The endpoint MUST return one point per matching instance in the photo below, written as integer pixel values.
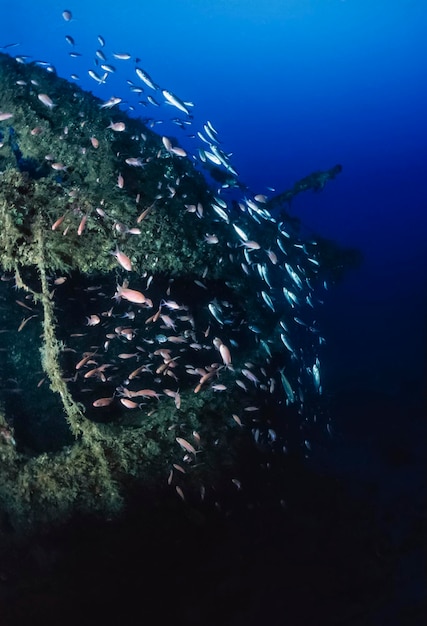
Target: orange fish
(82, 225)
(123, 260)
(130, 294)
(186, 446)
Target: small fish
(60, 280)
(100, 55)
(316, 376)
(25, 306)
(97, 78)
(180, 492)
(5, 116)
(44, 99)
(287, 387)
(251, 245)
(93, 320)
(292, 273)
(223, 350)
(58, 167)
(118, 127)
(110, 69)
(175, 101)
(122, 56)
(134, 162)
(220, 212)
(145, 78)
(25, 321)
(152, 101)
(108, 104)
(178, 151)
(122, 259)
(58, 222)
(101, 402)
(82, 225)
(130, 294)
(237, 419)
(186, 445)
(129, 404)
(267, 300)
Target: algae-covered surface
(152, 331)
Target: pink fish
(186, 445)
(102, 402)
(118, 127)
(178, 151)
(44, 99)
(130, 294)
(123, 260)
(82, 225)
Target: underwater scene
(213, 312)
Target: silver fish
(175, 101)
(145, 78)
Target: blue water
(292, 87)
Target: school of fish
(147, 341)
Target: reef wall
(153, 330)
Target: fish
(316, 376)
(134, 162)
(223, 350)
(110, 103)
(99, 79)
(102, 402)
(117, 127)
(185, 445)
(220, 212)
(100, 55)
(82, 225)
(145, 78)
(267, 300)
(25, 321)
(130, 294)
(215, 312)
(122, 259)
(58, 222)
(180, 492)
(287, 387)
(175, 101)
(46, 100)
(152, 101)
(110, 69)
(129, 404)
(292, 273)
(178, 151)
